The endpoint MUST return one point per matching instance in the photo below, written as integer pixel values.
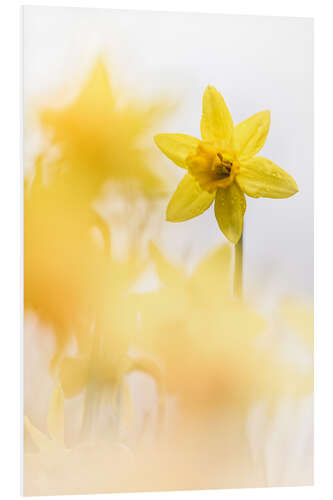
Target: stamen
(224, 168)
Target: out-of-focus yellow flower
(204, 338)
(55, 468)
(299, 318)
(98, 137)
(100, 368)
(223, 166)
(63, 264)
(102, 377)
(55, 425)
(69, 275)
(213, 347)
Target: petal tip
(266, 116)
(210, 88)
(235, 240)
(157, 138)
(293, 188)
(232, 238)
(169, 215)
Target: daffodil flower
(98, 139)
(217, 352)
(223, 166)
(52, 466)
(99, 376)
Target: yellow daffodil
(299, 317)
(63, 266)
(69, 274)
(209, 343)
(202, 336)
(98, 135)
(102, 377)
(55, 468)
(100, 370)
(223, 166)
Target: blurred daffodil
(223, 166)
(101, 368)
(202, 335)
(98, 135)
(55, 468)
(69, 273)
(63, 264)
(299, 318)
(215, 349)
(72, 278)
(54, 441)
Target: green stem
(238, 270)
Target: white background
(10, 256)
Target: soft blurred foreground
(142, 373)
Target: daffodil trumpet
(223, 167)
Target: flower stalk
(238, 269)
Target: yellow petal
(177, 147)
(250, 135)
(42, 442)
(216, 261)
(299, 318)
(73, 375)
(152, 368)
(261, 177)
(230, 206)
(214, 270)
(216, 121)
(169, 273)
(55, 418)
(188, 201)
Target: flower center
(211, 167)
(223, 168)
